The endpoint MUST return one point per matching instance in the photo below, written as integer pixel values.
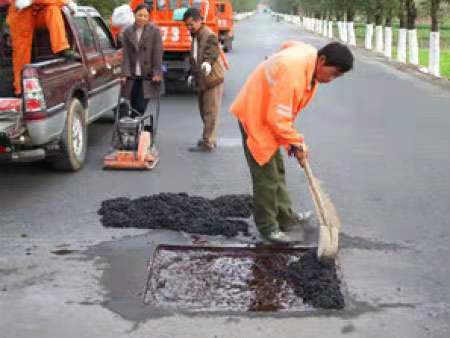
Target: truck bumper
(47, 130)
(24, 156)
(176, 70)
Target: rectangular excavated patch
(241, 279)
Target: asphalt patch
(242, 279)
(224, 215)
(63, 252)
(317, 283)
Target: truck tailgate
(10, 117)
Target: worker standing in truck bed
(24, 17)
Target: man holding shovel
(266, 108)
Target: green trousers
(271, 202)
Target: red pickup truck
(60, 97)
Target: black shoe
(69, 54)
(202, 148)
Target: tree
(411, 17)
(105, 7)
(244, 5)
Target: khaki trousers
(209, 102)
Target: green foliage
(369, 9)
(105, 7)
(244, 5)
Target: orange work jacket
(272, 98)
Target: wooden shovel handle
(315, 192)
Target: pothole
(241, 279)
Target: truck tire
(73, 143)
(227, 44)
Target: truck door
(97, 72)
(109, 92)
(112, 56)
(93, 57)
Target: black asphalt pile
(317, 283)
(180, 212)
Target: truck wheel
(73, 141)
(228, 44)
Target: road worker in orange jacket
(26, 16)
(266, 108)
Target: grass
(423, 36)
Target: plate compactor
(133, 139)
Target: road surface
(379, 141)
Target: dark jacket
(208, 51)
(149, 52)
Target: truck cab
(176, 38)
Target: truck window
(172, 4)
(103, 35)
(5, 40)
(197, 4)
(161, 4)
(149, 4)
(221, 8)
(87, 40)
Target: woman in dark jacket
(142, 60)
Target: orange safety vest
(272, 98)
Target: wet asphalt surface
(379, 143)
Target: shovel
(328, 246)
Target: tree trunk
(325, 23)
(351, 37)
(435, 52)
(350, 14)
(434, 15)
(388, 33)
(411, 12)
(402, 34)
(402, 13)
(379, 9)
(339, 18)
(388, 22)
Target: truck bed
(41, 51)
